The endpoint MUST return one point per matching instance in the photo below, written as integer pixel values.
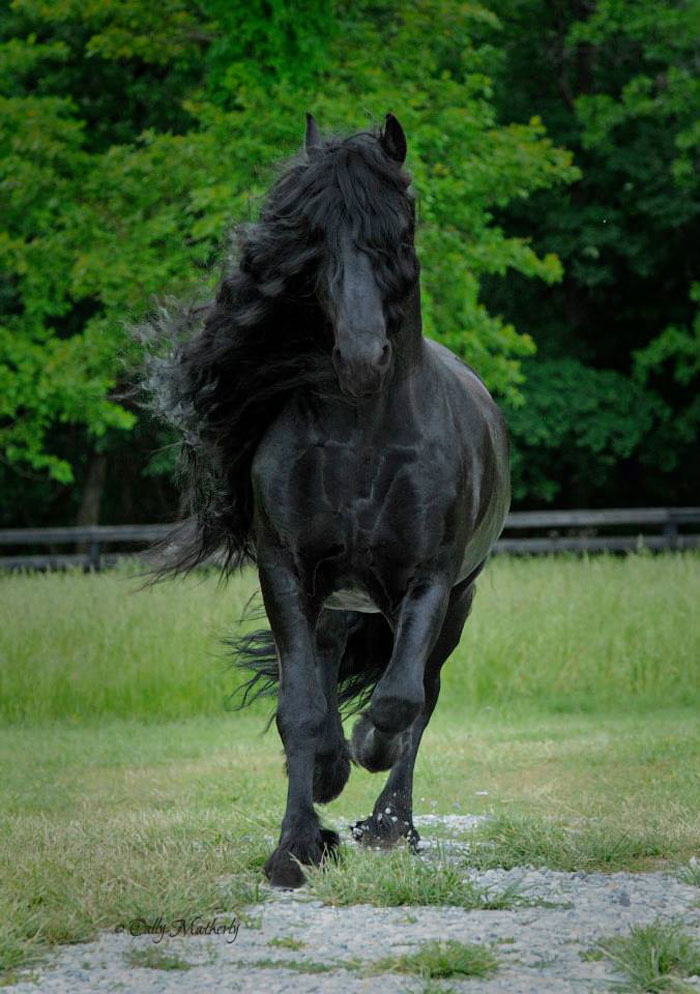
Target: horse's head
(363, 216)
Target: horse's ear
(393, 139)
(312, 138)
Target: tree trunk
(89, 510)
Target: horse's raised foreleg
(392, 817)
(381, 734)
(301, 718)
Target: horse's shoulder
(469, 383)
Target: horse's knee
(393, 713)
(300, 721)
(331, 773)
(332, 760)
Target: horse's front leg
(380, 734)
(392, 817)
(301, 718)
(332, 766)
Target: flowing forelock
(348, 187)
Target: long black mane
(231, 363)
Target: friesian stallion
(362, 467)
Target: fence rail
(555, 531)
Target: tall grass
(79, 646)
(569, 633)
(557, 634)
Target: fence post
(671, 534)
(93, 557)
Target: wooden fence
(526, 532)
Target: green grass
(440, 960)
(287, 942)
(556, 634)
(102, 824)
(396, 878)
(432, 960)
(127, 791)
(654, 958)
(81, 647)
(690, 874)
(156, 959)
(520, 840)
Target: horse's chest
(362, 519)
(377, 497)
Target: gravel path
(540, 948)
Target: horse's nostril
(361, 368)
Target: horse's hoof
(386, 828)
(331, 773)
(282, 868)
(373, 749)
(283, 871)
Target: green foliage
(132, 135)
(678, 346)
(618, 84)
(113, 199)
(642, 128)
(124, 29)
(265, 40)
(593, 419)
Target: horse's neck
(400, 403)
(408, 346)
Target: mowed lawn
(569, 711)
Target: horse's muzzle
(364, 373)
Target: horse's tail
(367, 653)
(365, 658)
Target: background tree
(132, 135)
(617, 82)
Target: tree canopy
(617, 83)
(553, 147)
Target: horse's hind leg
(392, 817)
(332, 761)
(301, 718)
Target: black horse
(363, 467)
